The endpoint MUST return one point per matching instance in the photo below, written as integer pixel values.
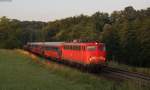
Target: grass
(19, 71)
(129, 68)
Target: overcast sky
(49, 10)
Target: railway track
(126, 75)
(118, 74)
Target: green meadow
(20, 71)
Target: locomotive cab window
(102, 47)
(91, 48)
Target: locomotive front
(96, 53)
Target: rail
(126, 75)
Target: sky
(50, 10)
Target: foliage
(126, 33)
(14, 33)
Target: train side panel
(73, 55)
(52, 52)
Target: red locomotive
(84, 53)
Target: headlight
(92, 58)
(97, 58)
(102, 58)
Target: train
(88, 54)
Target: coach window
(32, 46)
(71, 47)
(48, 48)
(55, 48)
(36, 46)
(68, 47)
(65, 47)
(75, 47)
(84, 47)
(81, 47)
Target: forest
(126, 33)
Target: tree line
(126, 33)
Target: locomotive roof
(82, 43)
(53, 43)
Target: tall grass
(20, 70)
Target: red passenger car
(53, 50)
(35, 47)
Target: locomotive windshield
(91, 48)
